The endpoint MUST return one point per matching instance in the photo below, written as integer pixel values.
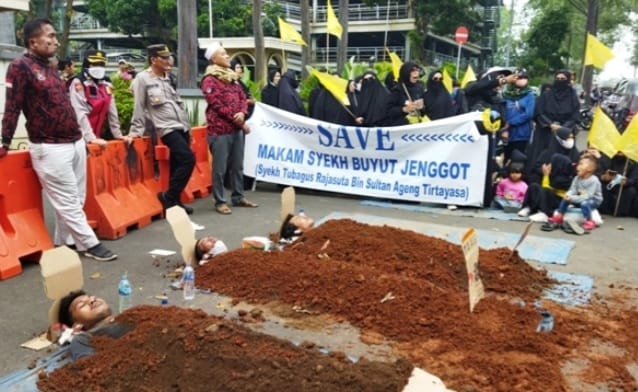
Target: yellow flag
(447, 81)
(334, 84)
(596, 53)
(628, 142)
(289, 34)
(468, 77)
(333, 25)
(603, 134)
(396, 64)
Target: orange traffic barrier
(201, 182)
(121, 189)
(23, 234)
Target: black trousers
(182, 162)
(541, 199)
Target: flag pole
(327, 47)
(624, 174)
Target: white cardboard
(287, 202)
(183, 232)
(422, 381)
(61, 270)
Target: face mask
(560, 84)
(97, 73)
(567, 144)
(218, 249)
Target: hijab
(289, 99)
(373, 98)
(438, 102)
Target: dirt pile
(396, 286)
(176, 349)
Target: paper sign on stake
(469, 243)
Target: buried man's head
(79, 308)
(208, 247)
(295, 225)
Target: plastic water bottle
(188, 282)
(547, 322)
(125, 292)
(301, 212)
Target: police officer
(157, 100)
(92, 99)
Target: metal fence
(356, 12)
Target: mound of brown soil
(175, 349)
(397, 286)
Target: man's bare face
(46, 43)
(303, 223)
(88, 310)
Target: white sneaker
(539, 217)
(451, 207)
(595, 216)
(524, 212)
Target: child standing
(510, 191)
(585, 191)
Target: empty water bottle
(188, 282)
(547, 322)
(125, 293)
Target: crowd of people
(532, 161)
(533, 165)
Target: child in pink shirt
(510, 191)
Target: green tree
(545, 38)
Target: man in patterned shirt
(58, 152)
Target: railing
(361, 54)
(356, 12)
(85, 22)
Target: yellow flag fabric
(396, 64)
(333, 25)
(289, 34)
(447, 81)
(468, 77)
(596, 53)
(603, 134)
(334, 84)
(628, 142)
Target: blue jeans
(586, 207)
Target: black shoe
(189, 210)
(100, 252)
(166, 204)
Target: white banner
(439, 162)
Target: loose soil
(345, 269)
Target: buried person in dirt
(88, 316)
(294, 226)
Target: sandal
(246, 203)
(549, 226)
(572, 227)
(223, 209)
